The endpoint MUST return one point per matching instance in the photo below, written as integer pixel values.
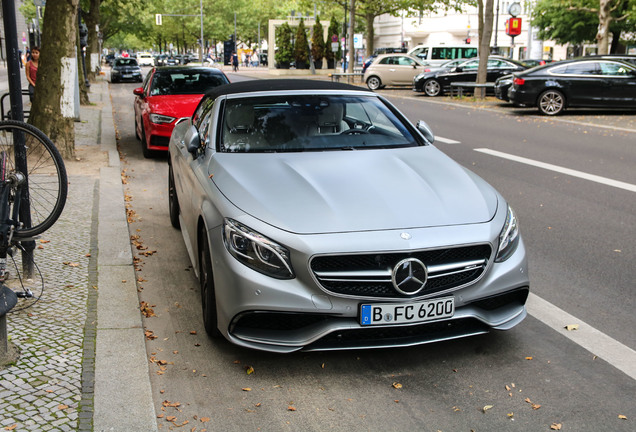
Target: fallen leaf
(486, 408)
(291, 408)
(528, 358)
(511, 415)
(249, 370)
(535, 406)
(507, 387)
(62, 407)
(193, 332)
(571, 327)
(556, 426)
(622, 417)
(257, 404)
(246, 389)
(45, 241)
(204, 419)
(171, 418)
(397, 385)
(10, 428)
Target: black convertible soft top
(279, 85)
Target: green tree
(301, 46)
(330, 55)
(580, 21)
(318, 44)
(285, 52)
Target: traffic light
(83, 34)
(467, 40)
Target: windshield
(185, 82)
(126, 62)
(310, 123)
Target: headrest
(240, 117)
(331, 115)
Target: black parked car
(436, 82)
(585, 82)
(125, 69)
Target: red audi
(168, 94)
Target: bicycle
(33, 189)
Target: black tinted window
(185, 82)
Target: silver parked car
(317, 218)
(393, 70)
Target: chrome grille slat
(369, 275)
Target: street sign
(334, 38)
(158, 19)
(357, 41)
(334, 46)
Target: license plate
(127, 75)
(400, 313)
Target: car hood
(174, 105)
(345, 191)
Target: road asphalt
(82, 362)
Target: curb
(123, 396)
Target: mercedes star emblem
(409, 276)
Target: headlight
(509, 237)
(256, 251)
(158, 118)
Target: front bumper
(259, 312)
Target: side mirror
(426, 131)
(139, 91)
(192, 140)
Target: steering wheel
(354, 132)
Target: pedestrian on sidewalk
(31, 70)
(235, 62)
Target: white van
(438, 54)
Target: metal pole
(496, 48)
(201, 6)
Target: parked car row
(598, 81)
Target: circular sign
(514, 9)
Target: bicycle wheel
(46, 186)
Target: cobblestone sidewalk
(44, 389)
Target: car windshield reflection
(184, 82)
(306, 123)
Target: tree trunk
(91, 18)
(53, 108)
(352, 26)
(485, 34)
(370, 33)
(604, 21)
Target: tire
(374, 82)
(173, 201)
(45, 172)
(551, 102)
(136, 132)
(432, 87)
(206, 281)
(144, 146)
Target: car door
(466, 71)
(404, 70)
(582, 84)
(620, 83)
(186, 164)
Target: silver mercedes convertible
(317, 217)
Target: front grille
(161, 141)
(369, 275)
(276, 321)
(399, 335)
(518, 296)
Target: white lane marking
(446, 140)
(603, 180)
(615, 353)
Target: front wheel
(432, 87)
(206, 280)
(374, 82)
(42, 165)
(551, 102)
(173, 202)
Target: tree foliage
(318, 42)
(301, 45)
(585, 21)
(285, 52)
